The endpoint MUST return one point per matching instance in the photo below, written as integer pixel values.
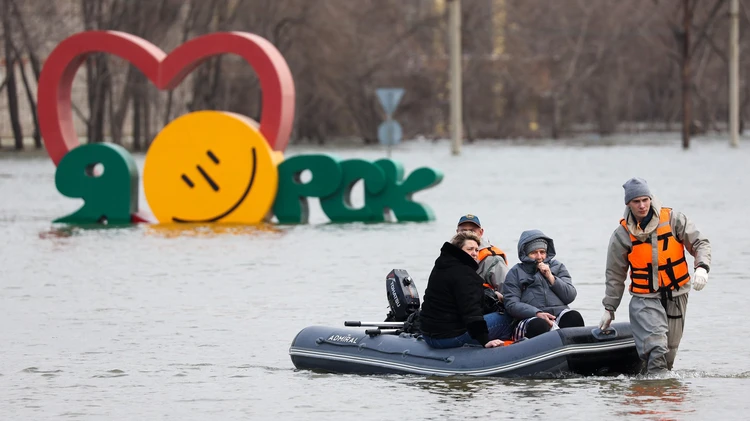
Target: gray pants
(657, 336)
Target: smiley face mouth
(215, 188)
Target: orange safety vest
(491, 251)
(673, 268)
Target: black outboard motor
(403, 297)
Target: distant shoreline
(583, 139)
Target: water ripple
(111, 374)
(36, 370)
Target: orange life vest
(673, 268)
(491, 251)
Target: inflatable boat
(577, 351)
(395, 347)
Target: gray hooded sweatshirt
(620, 246)
(527, 292)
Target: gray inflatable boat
(576, 351)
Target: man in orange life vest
(651, 240)
(493, 264)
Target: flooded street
(160, 322)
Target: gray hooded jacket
(527, 292)
(620, 246)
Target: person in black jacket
(452, 312)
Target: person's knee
(536, 327)
(655, 346)
(571, 318)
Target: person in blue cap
(493, 263)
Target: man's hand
(549, 318)
(607, 318)
(544, 270)
(499, 296)
(700, 279)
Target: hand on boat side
(493, 343)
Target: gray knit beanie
(539, 243)
(636, 187)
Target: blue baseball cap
(470, 218)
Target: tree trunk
(114, 131)
(146, 115)
(10, 63)
(98, 82)
(35, 67)
(32, 105)
(96, 75)
(119, 112)
(468, 131)
(556, 116)
(137, 120)
(686, 97)
(186, 28)
(101, 83)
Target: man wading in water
(651, 240)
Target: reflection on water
(164, 230)
(663, 399)
(68, 230)
(63, 232)
(458, 388)
(537, 389)
(209, 230)
(517, 389)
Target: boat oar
(381, 325)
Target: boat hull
(558, 353)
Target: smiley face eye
(188, 181)
(208, 178)
(203, 172)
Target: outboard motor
(403, 297)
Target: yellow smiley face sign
(211, 166)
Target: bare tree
(11, 58)
(31, 50)
(532, 68)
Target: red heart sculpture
(165, 71)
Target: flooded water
(155, 322)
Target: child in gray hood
(539, 289)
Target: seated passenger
(452, 313)
(493, 264)
(537, 290)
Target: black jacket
(453, 298)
